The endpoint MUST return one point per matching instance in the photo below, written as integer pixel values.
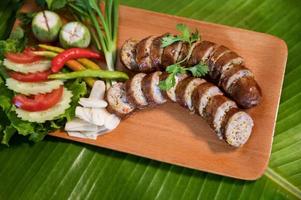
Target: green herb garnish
(198, 70)
(185, 36)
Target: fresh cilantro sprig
(185, 36)
(198, 70)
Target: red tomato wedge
(31, 77)
(38, 102)
(27, 56)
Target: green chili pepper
(109, 75)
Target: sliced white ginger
(92, 103)
(98, 90)
(34, 67)
(29, 88)
(80, 125)
(49, 114)
(99, 116)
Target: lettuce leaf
(35, 131)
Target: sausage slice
(202, 94)
(143, 54)
(223, 63)
(128, 55)
(218, 52)
(236, 127)
(215, 111)
(171, 53)
(156, 52)
(245, 91)
(134, 91)
(151, 90)
(201, 52)
(118, 102)
(184, 91)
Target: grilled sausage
(128, 55)
(143, 54)
(150, 56)
(118, 102)
(151, 90)
(156, 53)
(184, 91)
(236, 127)
(221, 113)
(202, 94)
(134, 91)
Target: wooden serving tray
(171, 134)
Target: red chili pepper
(70, 54)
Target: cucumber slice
(28, 88)
(49, 114)
(38, 66)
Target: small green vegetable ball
(46, 26)
(75, 34)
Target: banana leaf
(58, 169)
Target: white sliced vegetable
(82, 135)
(28, 88)
(75, 34)
(92, 103)
(34, 67)
(49, 114)
(99, 116)
(112, 122)
(84, 113)
(98, 90)
(80, 125)
(46, 26)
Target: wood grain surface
(171, 134)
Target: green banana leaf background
(58, 169)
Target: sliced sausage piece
(201, 52)
(171, 93)
(183, 52)
(233, 74)
(218, 52)
(151, 90)
(202, 94)
(215, 111)
(184, 91)
(237, 127)
(171, 54)
(134, 91)
(117, 101)
(156, 52)
(223, 63)
(128, 55)
(245, 91)
(143, 54)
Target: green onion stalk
(104, 26)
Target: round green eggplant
(46, 26)
(75, 34)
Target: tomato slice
(27, 56)
(31, 77)
(38, 102)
